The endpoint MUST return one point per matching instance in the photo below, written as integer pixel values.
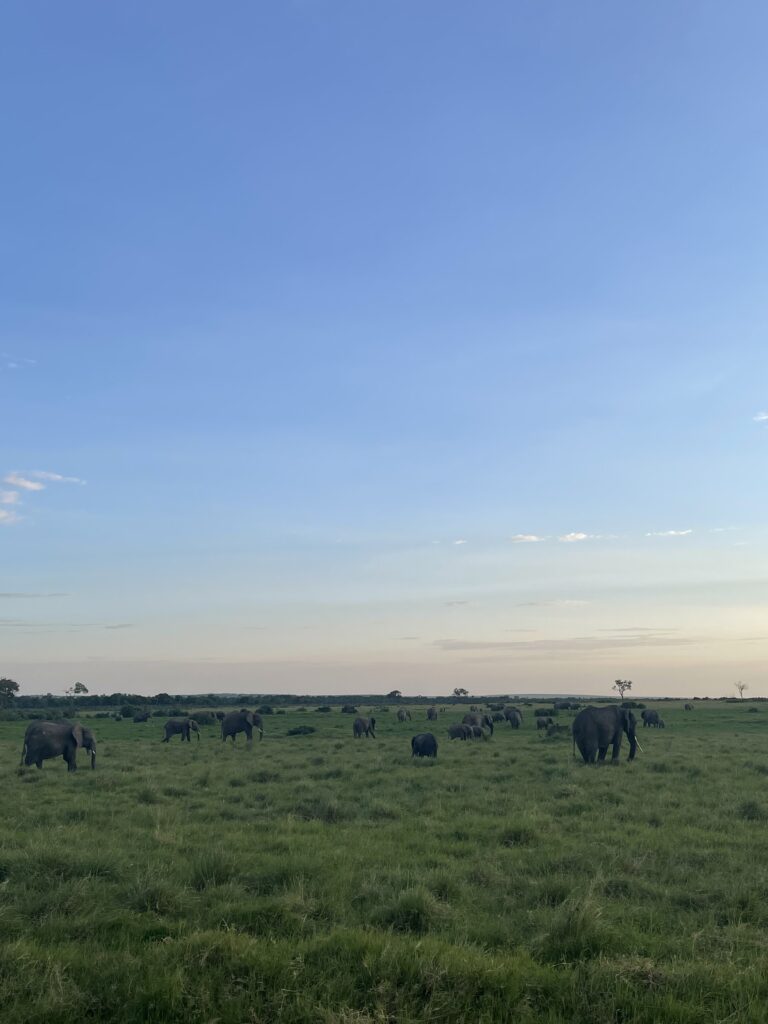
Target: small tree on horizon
(621, 686)
(8, 690)
(76, 689)
(741, 687)
(459, 691)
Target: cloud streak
(527, 538)
(670, 533)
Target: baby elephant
(183, 726)
(459, 732)
(424, 745)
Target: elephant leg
(616, 749)
(602, 751)
(39, 763)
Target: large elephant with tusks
(596, 729)
(44, 740)
(241, 721)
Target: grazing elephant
(424, 745)
(649, 718)
(43, 740)
(688, 707)
(364, 727)
(403, 715)
(479, 720)
(544, 723)
(183, 726)
(514, 717)
(459, 732)
(596, 729)
(141, 716)
(660, 723)
(478, 733)
(431, 714)
(241, 721)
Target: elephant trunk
(93, 758)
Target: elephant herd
(594, 730)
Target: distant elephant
(424, 745)
(219, 715)
(364, 727)
(479, 720)
(403, 715)
(595, 729)
(478, 733)
(649, 718)
(553, 729)
(44, 740)
(660, 723)
(561, 705)
(514, 717)
(544, 723)
(459, 732)
(141, 716)
(688, 707)
(431, 714)
(497, 717)
(241, 721)
(180, 726)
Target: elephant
(562, 705)
(688, 707)
(141, 716)
(43, 740)
(478, 733)
(480, 720)
(183, 726)
(660, 723)
(241, 721)
(459, 732)
(544, 723)
(649, 718)
(595, 729)
(431, 714)
(403, 715)
(364, 727)
(514, 717)
(424, 745)
(497, 717)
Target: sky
(355, 346)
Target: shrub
(349, 709)
(127, 711)
(301, 730)
(266, 709)
(324, 709)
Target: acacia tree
(76, 689)
(460, 692)
(621, 686)
(741, 687)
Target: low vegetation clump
(312, 877)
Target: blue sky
(397, 345)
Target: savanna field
(321, 879)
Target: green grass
(315, 878)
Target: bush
(126, 711)
(266, 709)
(324, 709)
(633, 705)
(301, 730)
(349, 709)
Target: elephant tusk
(637, 744)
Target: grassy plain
(320, 879)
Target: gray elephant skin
(688, 707)
(484, 721)
(544, 723)
(403, 715)
(596, 729)
(650, 718)
(514, 716)
(44, 740)
(459, 732)
(424, 745)
(180, 727)
(431, 714)
(364, 727)
(241, 721)
(141, 716)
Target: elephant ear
(77, 733)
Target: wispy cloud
(17, 480)
(761, 417)
(22, 593)
(571, 645)
(560, 602)
(574, 538)
(12, 362)
(120, 625)
(460, 541)
(526, 538)
(7, 517)
(42, 474)
(9, 497)
(454, 604)
(669, 533)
